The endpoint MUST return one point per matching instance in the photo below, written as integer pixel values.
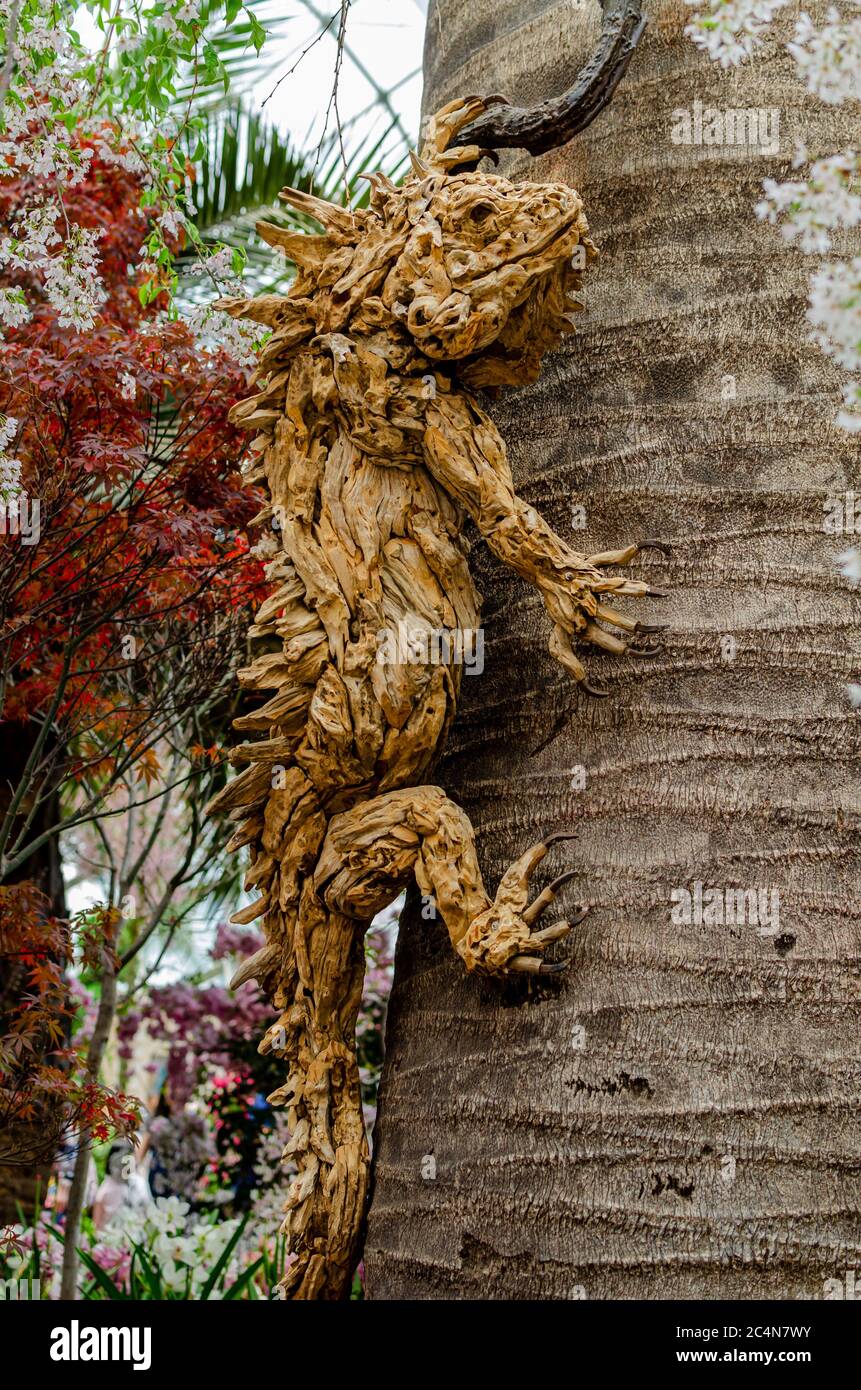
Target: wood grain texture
(677, 1115)
(372, 450)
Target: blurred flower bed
(199, 1200)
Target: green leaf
(210, 63)
(103, 1279)
(151, 1273)
(258, 33)
(221, 1263)
(243, 1281)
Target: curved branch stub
(558, 120)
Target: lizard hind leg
(373, 850)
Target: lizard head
(487, 277)
(476, 271)
(488, 274)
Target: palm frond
(244, 162)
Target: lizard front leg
(466, 454)
(371, 852)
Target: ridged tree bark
(677, 1115)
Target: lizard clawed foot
(500, 940)
(586, 613)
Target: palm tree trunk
(676, 1117)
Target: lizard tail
(313, 966)
(328, 1145)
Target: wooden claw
(420, 168)
(628, 553)
(654, 650)
(534, 965)
(599, 694)
(560, 879)
(256, 967)
(546, 897)
(554, 932)
(613, 557)
(558, 836)
(599, 638)
(524, 965)
(609, 615)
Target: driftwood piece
(373, 450)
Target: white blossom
(172, 221)
(68, 264)
(13, 307)
(835, 311)
(188, 13)
(128, 387)
(729, 30)
(115, 149)
(829, 58)
(816, 206)
(220, 267)
(10, 468)
(218, 332)
(51, 132)
(72, 281)
(8, 430)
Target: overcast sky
(384, 45)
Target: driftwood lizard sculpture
(372, 449)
